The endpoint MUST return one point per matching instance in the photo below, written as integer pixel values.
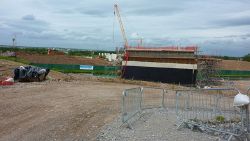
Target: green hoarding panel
(67, 68)
(233, 72)
(58, 66)
(106, 68)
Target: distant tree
(227, 57)
(246, 58)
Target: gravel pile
(153, 124)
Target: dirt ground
(61, 59)
(65, 107)
(53, 110)
(235, 65)
(59, 110)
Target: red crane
(117, 13)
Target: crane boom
(117, 13)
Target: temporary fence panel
(131, 103)
(137, 99)
(211, 109)
(248, 94)
(152, 97)
(170, 99)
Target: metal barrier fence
(137, 99)
(131, 103)
(152, 97)
(212, 110)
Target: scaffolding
(208, 71)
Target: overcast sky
(218, 27)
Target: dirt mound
(235, 65)
(7, 67)
(61, 59)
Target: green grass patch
(220, 118)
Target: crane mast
(117, 13)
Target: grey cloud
(28, 17)
(135, 9)
(230, 37)
(43, 36)
(225, 47)
(95, 12)
(232, 45)
(28, 26)
(241, 21)
(65, 11)
(52, 35)
(81, 35)
(243, 37)
(230, 22)
(155, 11)
(90, 11)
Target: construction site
(134, 93)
